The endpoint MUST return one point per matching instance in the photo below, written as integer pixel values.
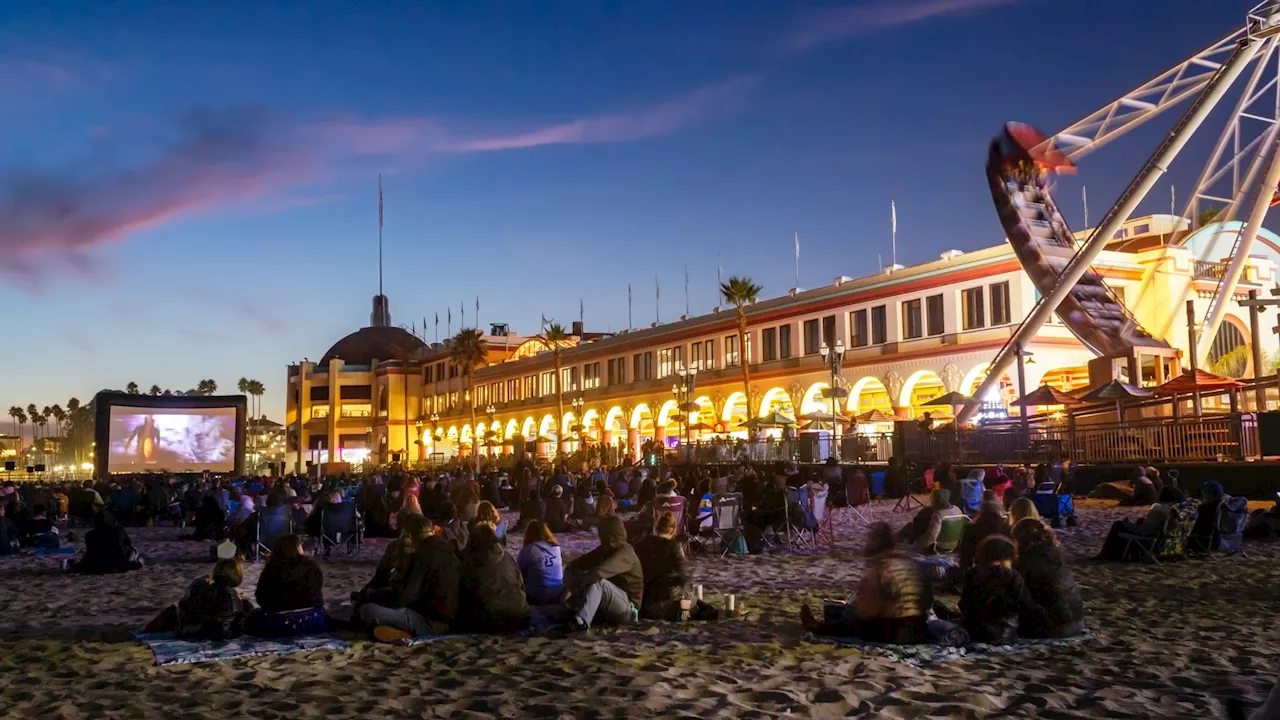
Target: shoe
(388, 634)
(574, 625)
(807, 619)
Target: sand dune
(1171, 641)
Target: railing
(1206, 438)
(1207, 270)
(853, 448)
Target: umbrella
(951, 399)
(823, 416)
(816, 425)
(702, 427)
(774, 419)
(1197, 380)
(1117, 391)
(1047, 395)
(876, 416)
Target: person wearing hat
(557, 512)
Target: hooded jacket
(491, 594)
(614, 560)
(1053, 588)
(431, 588)
(666, 572)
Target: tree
(553, 337)
(741, 292)
(470, 351)
(59, 415)
(19, 419)
(1207, 217)
(33, 415)
(155, 390)
(206, 387)
(131, 388)
(167, 393)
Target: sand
(1172, 641)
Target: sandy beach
(1171, 641)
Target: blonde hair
(538, 530)
(1021, 509)
(487, 514)
(665, 525)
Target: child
(994, 594)
(213, 609)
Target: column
(335, 408)
(633, 441)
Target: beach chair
(340, 528)
(726, 522)
(272, 525)
(971, 495)
(857, 500)
(1233, 514)
(675, 506)
(818, 521)
(950, 534)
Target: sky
(190, 190)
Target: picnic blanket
(920, 655)
(169, 650)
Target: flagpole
(797, 285)
(686, 291)
(379, 233)
(657, 300)
(893, 221)
(1084, 195)
(630, 325)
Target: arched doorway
(921, 387)
(1230, 354)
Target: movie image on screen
(172, 439)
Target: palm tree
(256, 389)
(1208, 216)
(33, 414)
(131, 388)
(470, 351)
(155, 390)
(206, 387)
(58, 415)
(76, 426)
(741, 292)
(19, 419)
(552, 338)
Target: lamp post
(422, 447)
(1024, 358)
(833, 357)
(577, 404)
(489, 410)
(683, 390)
(435, 430)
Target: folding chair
(726, 521)
(340, 528)
(818, 524)
(950, 533)
(1145, 544)
(858, 504)
(675, 506)
(273, 524)
(797, 527)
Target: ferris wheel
(1239, 181)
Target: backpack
(1182, 518)
(1233, 513)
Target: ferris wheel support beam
(1226, 291)
(1155, 168)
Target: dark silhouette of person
(147, 436)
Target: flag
(449, 311)
(379, 201)
(582, 312)
(462, 315)
(893, 216)
(477, 306)
(657, 290)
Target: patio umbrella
(702, 427)
(1047, 395)
(951, 399)
(823, 415)
(1117, 391)
(774, 419)
(1197, 380)
(876, 416)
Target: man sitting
(994, 595)
(607, 584)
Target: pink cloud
(868, 17)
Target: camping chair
(340, 527)
(1233, 514)
(818, 522)
(675, 506)
(924, 485)
(796, 526)
(857, 500)
(950, 533)
(971, 495)
(272, 525)
(726, 521)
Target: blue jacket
(543, 572)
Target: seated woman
(990, 521)
(666, 576)
(995, 598)
(426, 603)
(491, 593)
(211, 609)
(892, 602)
(556, 514)
(541, 565)
(393, 567)
(107, 549)
(10, 538)
(38, 531)
(1022, 509)
(290, 594)
(607, 584)
(1202, 533)
(1144, 491)
(922, 532)
(487, 514)
(1050, 583)
(210, 520)
(1157, 518)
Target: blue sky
(189, 190)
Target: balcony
(1205, 270)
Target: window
(784, 341)
(355, 392)
(642, 366)
(319, 393)
(912, 320)
(879, 325)
(935, 317)
(974, 309)
(439, 372)
(617, 371)
(548, 384)
(811, 339)
(530, 386)
(666, 367)
(731, 351)
(1142, 229)
(453, 371)
(513, 390)
(709, 354)
(858, 329)
(695, 357)
(1120, 234)
(569, 379)
(770, 338)
(829, 330)
(1000, 304)
(591, 376)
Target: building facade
(910, 335)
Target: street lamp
(833, 357)
(422, 447)
(684, 393)
(489, 410)
(1024, 359)
(577, 404)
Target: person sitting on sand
(427, 603)
(1153, 525)
(210, 520)
(38, 530)
(453, 529)
(991, 520)
(607, 584)
(212, 608)
(393, 567)
(10, 539)
(922, 532)
(1050, 583)
(107, 549)
(1022, 509)
(487, 514)
(666, 572)
(290, 593)
(892, 601)
(994, 597)
(491, 592)
(556, 514)
(541, 565)
(1201, 537)
(1144, 491)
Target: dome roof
(365, 345)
